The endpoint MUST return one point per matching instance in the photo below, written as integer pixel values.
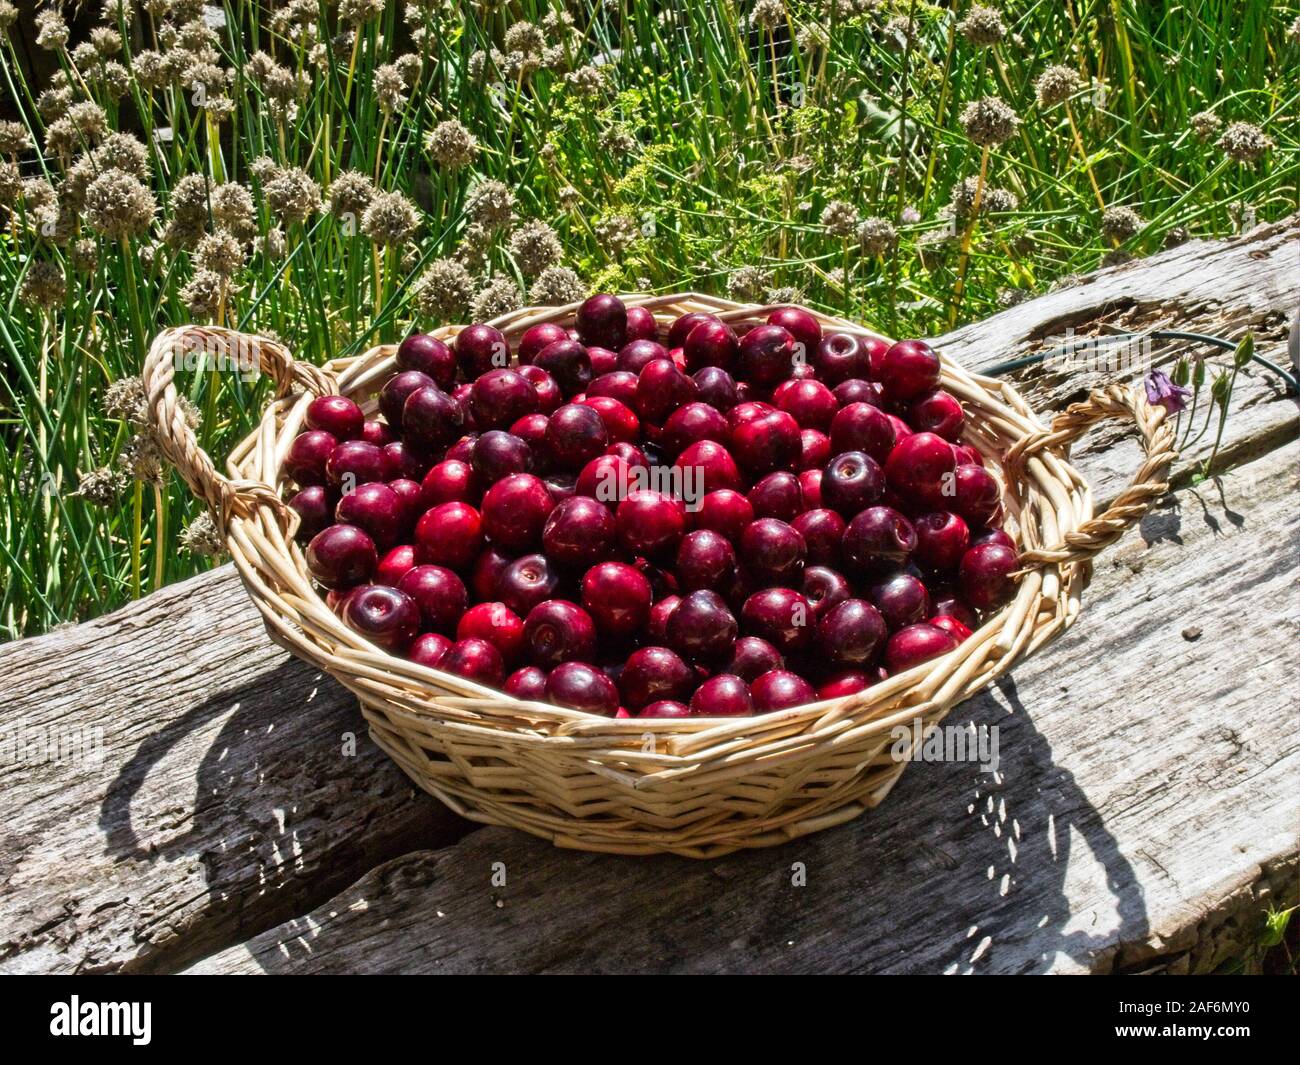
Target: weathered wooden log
(228, 800)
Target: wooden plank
(221, 803)
(1145, 802)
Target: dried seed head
(39, 195)
(497, 297)
(85, 59)
(53, 103)
(982, 26)
(8, 15)
(1056, 84)
(587, 81)
(359, 12)
(118, 205)
(451, 144)
(556, 286)
(200, 537)
(1176, 236)
(11, 185)
(62, 138)
(202, 293)
(409, 66)
(993, 200)
(221, 253)
(1245, 142)
(787, 294)
(88, 118)
(444, 291)
(390, 87)
(350, 194)
(989, 121)
(1120, 223)
(490, 204)
(84, 255)
(272, 245)
(390, 219)
(150, 69)
(142, 460)
(122, 151)
(840, 218)
(525, 37)
(899, 33)
(877, 236)
(1205, 124)
(292, 195)
(43, 286)
(117, 12)
(102, 487)
(189, 203)
(617, 140)
(125, 399)
(474, 245)
(51, 30)
(746, 283)
(105, 41)
(812, 38)
(568, 196)
(768, 13)
(534, 246)
(14, 138)
(1293, 31)
(615, 234)
(233, 210)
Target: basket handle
(176, 439)
(1116, 401)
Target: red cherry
(958, 630)
(941, 540)
(809, 402)
(650, 523)
(653, 674)
(602, 320)
(438, 593)
(801, 324)
(528, 683)
(846, 682)
(480, 348)
(665, 708)
(780, 690)
(619, 385)
(851, 482)
(768, 442)
(978, 496)
(354, 463)
(617, 596)
(909, 368)
(315, 506)
(395, 565)
(514, 511)
(901, 599)
(985, 575)
(450, 481)
(393, 396)
(558, 631)
(341, 556)
(922, 468)
(620, 423)
(705, 559)
(431, 418)
(501, 397)
(580, 686)
(660, 389)
(823, 532)
(375, 508)
(681, 329)
(711, 343)
(429, 649)
(878, 539)
(862, 427)
(527, 581)
(840, 357)
(575, 435)
(751, 657)
(767, 355)
(716, 387)
(852, 633)
(937, 412)
(537, 337)
(824, 588)
(336, 415)
(702, 628)
(725, 511)
(915, 644)
(430, 356)
(544, 385)
(449, 534)
(778, 495)
(773, 551)
(641, 324)
(858, 390)
(708, 466)
(475, 660)
(724, 695)
(308, 456)
(385, 616)
(781, 616)
(568, 364)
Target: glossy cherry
(430, 356)
(941, 539)
(705, 559)
(528, 684)
(772, 551)
(559, 631)
(978, 496)
(568, 364)
(475, 660)
(431, 418)
(711, 343)
(526, 581)
(377, 509)
(315, 508)
(580, 686)
(767, 355)
(308, 456)
(908, 369)
(393, 396)
(901, 598)
(780, 689)
(536, 337)
(429, 649)
(937, 412)
(801, 325)
(769, 441)
(777, 495)
(394, 565)
(602, 320)
(480, 348)
(650, 523)
(514, 511)
(578, 532)
(922, 467)
(823, 532)
(752, 656)
(862, 427)
(852, 633)
(439, 594)
(839, 357)
(851, 482)
(985, 575)
(878, 539)
(723, 695)
(824, 588)
(387, 617)
(781, 616)
(914, 644)
(655, 673)
(702, 628)
(341, 556)
(336, 415)
(450, 534)
(618, 598)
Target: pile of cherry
(717, 521)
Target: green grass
(740, 140)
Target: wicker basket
(691, 786)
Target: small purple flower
(1163, 392)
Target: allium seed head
(1245, 142)
(125, 399)
(51, 30)
(840, 218)
(390, 87)
(43, 286)
(746, 283)
(556, 286)
(233, 210)
(142, 460)
(615, 234)
(350, 194)
(490, 203)
(200, 537)
(768, 13)
(14, 138)
(390, 219)
(989, 121)
(451, 145)
(1120, 223)
(534, 246)
(1056, 84)
(877, 236)
(102, 487)
(1205, 124)
(497, 297)
(118, 205)
(982, 26)
(292, 195)
(444, 291)
(202, 293)
(221, 253)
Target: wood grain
(224, 805)
(1144, 805)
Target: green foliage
(700, 142)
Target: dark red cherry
(851, 482)
(852, 633)
(992, 536)
(809, 402)
(901, 599)
(780, 690)
(725, 511)
(619, 385)
(824, 588)
(398, 562)
(845, 682)
(315, 507)
(751, 657)
(922, 467)
(431, 419)
(393, 396)
(480, 348)
(711, 343)
(438, 593)
(862, 427)
(559, 631)
(724, 695)
(641, 324)
(579, 532)
(568, 364)
(528, 684)
(377, 509)
(772, 551)
(702, 628)
(653, 674)
(661, 388)
(857, 390)
(656, 628)
(681, 329)
(602, 320)
(768, 442)
(429, 649)
(781, 616)
(409, 462)
(537, 337)
(336, 415)
(955, 628)
(810, 487)
(985, 575)
(430, 356)
(716, 387)
(475, 660)
(823, 532)
(909, 368)
(937, 412)
(544, 385)
(498, 454)
(354, 463)
(514, 511)
(877, 540)
(705, 559)
(617, 596)
(580, 686)
(527, 581)
(637, 355)
(450, 481)
(978, 496)
(767, 355)
(914, 644)
(707, 466)
(308, 456)
(693, 422)
(650, 523)
(665, 708)
(450, 534)
(341, 556)
(621, 424)
(501, 397)
(778, 495)
(378, 433)
(800, 324)
(941, 539)
(839, 357)
(385, 616)
(575, 435)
